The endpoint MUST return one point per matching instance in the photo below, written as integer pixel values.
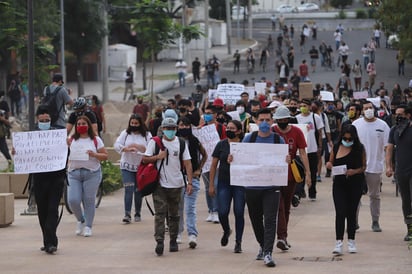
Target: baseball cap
(58, 77)
(275, 104)
(218, 102)
(169, 122)
(282, 112)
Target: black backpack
(49, 100)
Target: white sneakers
(210, 217)
(86, 231)
(215, 217)
(338, 250)
(179, 238)
(192, 241)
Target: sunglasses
(347, 139)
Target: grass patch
(163, 77)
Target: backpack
(254, 134)
(49, 100)
(148, 175)
(98, 113)
(15, 93)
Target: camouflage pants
(166, 204)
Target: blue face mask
(264, 127)
(207, 117)
(170, 134)
(347, 144)
(44, 125)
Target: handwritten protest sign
(212, 94)
(375, 101)
(257, 164)
(327, 96)
(208, 137)
(260, 87)
(234, 114)
(40, 151)
(250, 91)
(229, 93)
(360, 94)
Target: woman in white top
(85, 174)
(131, 144)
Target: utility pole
(103, 56)
(30, 48)
(206, 51)
(62, 58)
(228, 27)
(250, 21)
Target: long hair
(90, 131)
(357, 145)
(194, 144)
(143, 128)
(238, 125)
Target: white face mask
(241, 110)
(369, 113)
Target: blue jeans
(225, 194)
(130, 189)
(188, 203)
(82, 189)
(365, 61)
(211, 201)
(181, 79)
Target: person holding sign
(85, 174)
(226, 192)
(348, 164)
(48, 190)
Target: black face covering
(134, 128)
(221, 120)
(184, 132)
(230, 134)
(182, 110)
(158, 114)
(283, 125)
(292, 109)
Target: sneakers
(225, 238)
(328, 173)
(127, 219)
(79, 228)
(159, 248)
(260, 256)
(312, 199)
(295, 200)
(281, 244)
(352, 246)
(87, 231)
(50, 249)
(376, 227)
(179, 238)
(238, 247)
(173, 247)
(269, 262)
(137, 219)
(209, 217)
(408, 237)
(192, 241)
(215, 217)
(338, 250)
(318, 179)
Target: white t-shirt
(170, 174)
(374, 136)
(81, 146)
(130, 160)
(311, 138)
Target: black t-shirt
(194, 117)
(403, 154)
(333, 118)
(90, 114)
(196, 66)
(221, 152)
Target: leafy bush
(372, 13)
(112, 177)
(361, 14)
(341, 15)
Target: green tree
(340, 4)
(84, 31)
(394, 18)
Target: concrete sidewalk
(118, 248)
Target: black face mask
(230, 134)
(221, 120)
(182, 110)
(283, 125)
(184, 132)
(400, 120)
(158, 114)
(134, 128)
(292, 109)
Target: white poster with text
(208, 137)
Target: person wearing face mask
(353, 114)
(187, 109)
(314, 141)
(156, 121)
(188, 202)
(225, 192)
(84, 173)
(142, 109)
(373, 134)
(296, 141)
(131, 143)
(48, 190)
(81, 108)
(349, 159)
(245, 117)
(398, 155)
(166, 197)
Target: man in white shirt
(373, 134)
(181, 71)
(314, 142)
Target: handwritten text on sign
(230, 93)
(208, 137)
(40, 151)
(258, 164)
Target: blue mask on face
(264, 127)
(169, 133)
(207, 117)
(347, 144)
(44, 125)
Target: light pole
(62, 61)
(30, 48)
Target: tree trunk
(79, 73)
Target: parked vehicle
(308, 7)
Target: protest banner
(40, 151)
(375, 101)
(256, 164)
(208, 137)
(360, 94)
(234, 114)
(212, 94)
(260, 87)
(327, 96)
(250, 91)
(230, 93)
